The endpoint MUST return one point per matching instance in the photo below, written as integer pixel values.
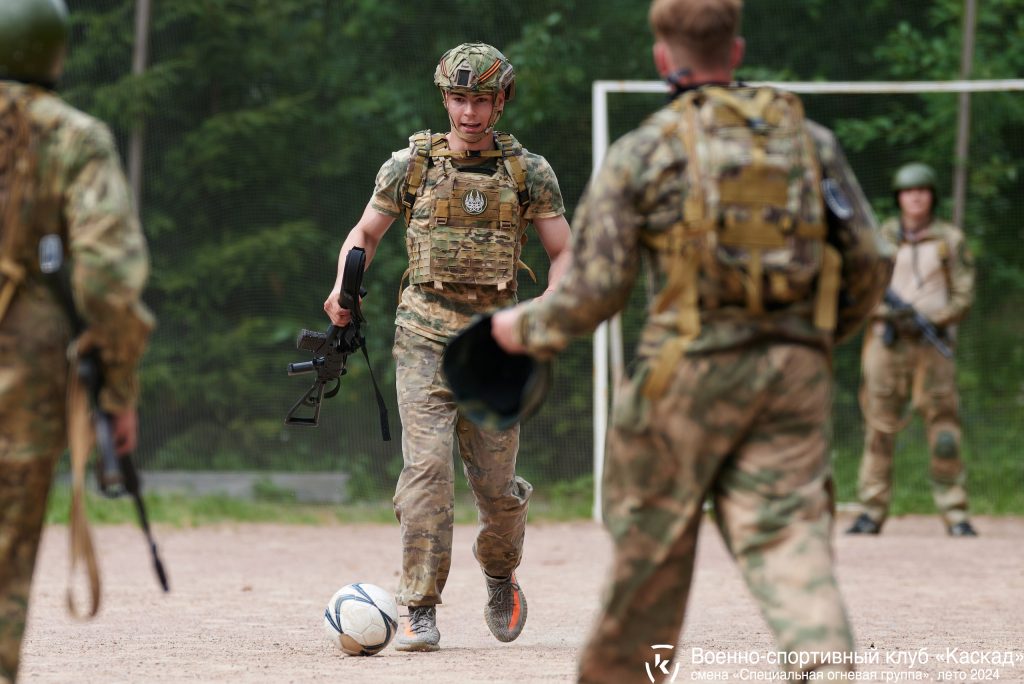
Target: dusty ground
(247, 604)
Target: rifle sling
(382, 409)
(80, 441)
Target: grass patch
(562, 501)
(995, 479)
(993, 489)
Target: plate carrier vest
(476, 229)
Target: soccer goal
(971, 131)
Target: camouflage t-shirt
(80, 194)
(440, 314)
(638, 193)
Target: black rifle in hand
(115, 474)
(331, 350)
(927, 328)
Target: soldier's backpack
(753, 233)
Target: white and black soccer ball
(361, 619)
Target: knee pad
(882, 442)
(946, 446)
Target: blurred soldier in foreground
(765, 254)
(907, 358)
(60, 178)
(467, 197)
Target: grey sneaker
(864, 525)
(419, 632)
(962, 529)
(505, 611)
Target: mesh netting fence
(265, 123)
(881, 131)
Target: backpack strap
(18, 162)
(944, 257)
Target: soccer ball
(361, 619)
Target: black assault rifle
(115, 474)
(927, 328)
(331, 350)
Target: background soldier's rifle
(927, 328)
(115, 474)
(331, 350)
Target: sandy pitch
(247, 603)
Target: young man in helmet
(60, 177)
(761, 266)
(934, 273)
(467, 197)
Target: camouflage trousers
(33, 372)
(911, 371)
(749, 429)
(425, 495)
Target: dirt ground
(247, 605)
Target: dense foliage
(266, 120)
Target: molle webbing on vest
(512, 154)
(476, 228)
(753, 233)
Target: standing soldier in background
(60, 177)
(730, 395)
(467, 197)
(934, 275)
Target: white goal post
(608, 343)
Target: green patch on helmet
(33, 37)
(492, 388)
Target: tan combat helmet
(476, 68)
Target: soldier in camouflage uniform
(467, 197)
(934, 272)
(59, 176)
(729, 398)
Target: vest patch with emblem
(474, 202)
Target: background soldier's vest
(475, 230)
(753, 229)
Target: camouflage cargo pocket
(632, 410)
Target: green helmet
(33, 36)
(914, 175)
(478, 68)
(492, 388)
